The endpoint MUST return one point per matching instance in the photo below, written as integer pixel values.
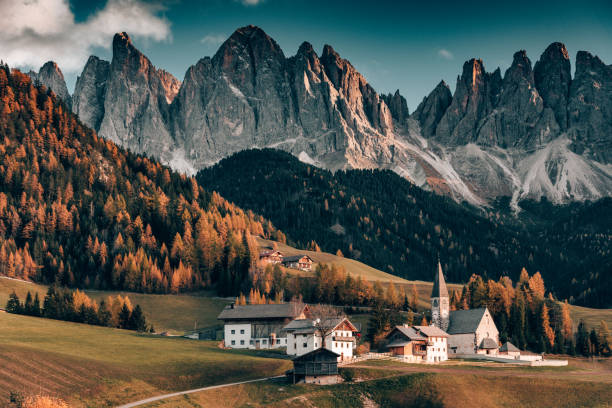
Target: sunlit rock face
(51, 77)
(531, 132)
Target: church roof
(465, 321)
(488, 343)
(439, 287)
(509, 347)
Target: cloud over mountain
(51, 32)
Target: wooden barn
(320, 366)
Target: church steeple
(440, 309)
(439, 287)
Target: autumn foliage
(79, 211)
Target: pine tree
(124, 317)
(13, 305)
(414, 300)
(603, 338)
(137, 320)
(546, 331)
(583, 343)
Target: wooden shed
(320, 366)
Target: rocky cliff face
(90, 92)
(531, 132)
(51, 76)
(590, 108)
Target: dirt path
(176, 394)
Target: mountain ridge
(473, 144)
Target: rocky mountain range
(526, 133)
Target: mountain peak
(328, 51)
(121, 38)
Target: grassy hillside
(174, 313)
(484, 389)
(98, 366)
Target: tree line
(76, 306)
(383, 220)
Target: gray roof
(507, 346)
(432, 331)
(303, 326)
(295, 258)
(465, 321)
(274, 311)
(398, 343)
(409, 333)
(488, 343)
(439, 287)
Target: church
(469, 331)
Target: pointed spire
(439, 287)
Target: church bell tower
(439, 301)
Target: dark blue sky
(405, 45)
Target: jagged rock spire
(439, 287)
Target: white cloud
(213, 40)
(36, 31)
(446, 54)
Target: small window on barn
(241, 331)
(264, 341)
(305, 345)
(233, 331)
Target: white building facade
(258, 326)
(303, 337)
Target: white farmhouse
(470, 331)
(303, 337)
(418, 343)
(259, 326)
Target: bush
(347, 374)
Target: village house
(304, 337)
(270, 257)
(259, 326)
(319, 366)
(418, 343)
(470, 331)
(301, 262)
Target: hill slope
(80, 211)
(383, 220)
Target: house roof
(507, 346)
(431, 331)
(270, 253)
(398, 343)
(488, 343)
(465, 321)
(320, 350)
(274, 311)
(408, 332)
(295, 258)
(439, 286)
(303, 326)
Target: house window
(264, 341)
(305, 345)
(242, 342)
(233, 342)
(294, 346)
(250, 341)
(241, 331)
(316, 345)
(233, 331)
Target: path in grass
(177, 394)
(103, 367)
